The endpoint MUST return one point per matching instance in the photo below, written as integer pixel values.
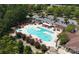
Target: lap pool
(42, 33)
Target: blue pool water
(40, 32)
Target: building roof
(74, 41)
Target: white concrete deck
(50, 43)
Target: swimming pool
(40, 32)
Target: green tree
(28, 50)
(8, 45)
(13, 16)
(67, 11)
(76, 12)
(2, 10)
(63, 38)
(20, 47)
(66, 20)
(69, 28)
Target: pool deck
(51, 43)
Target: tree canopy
(63, 38)
(12, 15)
(70, 28)
(8, 45)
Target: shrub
(20, 47)
(18, 35)
(63, 38)
(28, 39)
(32, 41)
(37, 45)
(24, 37)
(66, 20)
(43, 48)
(69, 28)
(27, 50)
